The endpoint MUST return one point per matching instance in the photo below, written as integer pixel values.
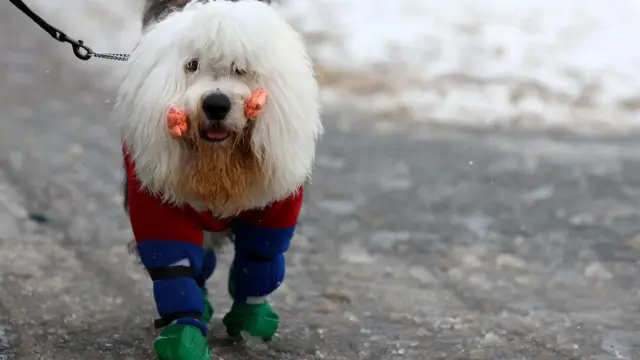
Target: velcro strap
(259, 258)
(171, 272)
(160, 323)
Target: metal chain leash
(110, 56)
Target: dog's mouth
(214, 133)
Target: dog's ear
(155, 10)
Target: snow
(541, 63)
(532, 63)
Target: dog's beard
(224, 177)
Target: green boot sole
(257, 320)
(181, 342)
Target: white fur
(249, 34)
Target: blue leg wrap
(259, 263)
(208, 267)
(176, 295)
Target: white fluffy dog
(231, 47)
(228, 172)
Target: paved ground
(416, 243)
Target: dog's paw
(259, 321)
(182, 342)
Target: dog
(226, 174)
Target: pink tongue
(217, 134)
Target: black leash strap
(82, 51)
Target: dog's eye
(237, 71)
(192, 65)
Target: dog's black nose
(216, 106)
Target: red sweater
(151, 219)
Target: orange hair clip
(177, 122)
(255, 103)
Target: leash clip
(80, 50)
(85, 53)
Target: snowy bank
(533, 63)
(541, 63)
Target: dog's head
(206, 59)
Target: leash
(80, 50)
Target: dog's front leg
(261, 241)
(175, 268)
(169, 243)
